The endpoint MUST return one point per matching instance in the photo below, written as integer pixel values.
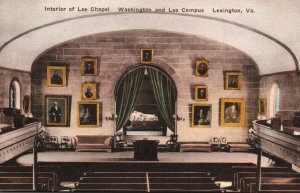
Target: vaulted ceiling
(270, 35)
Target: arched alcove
(149, 108)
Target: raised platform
(169, 157)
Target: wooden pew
(236, 169)
(277, 187)
(113, 180)
(51, 175)
(179, 174)
(111, 186)
(23, 187)
(114, 174)
(181, 179)
(42, 180)
(240, 175)
(170, 187)
(245, 182)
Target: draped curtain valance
(128, 90)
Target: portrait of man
(201, 93)
(56, 113)
(56, 76)
(201, 67)
(88, 66)
(232, 112)
(146, 56)
(88, 91)
(233, 80)
(201, 115)
(88, 114)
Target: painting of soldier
(56, 76)
(88, 91)
(88, 114)
(201, 93)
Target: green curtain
(127, 95)
(164, 93)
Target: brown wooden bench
(179, 174)
(108, 186)
(42, 180)
(113, 180)
(245, 182)
(239, 147)
(15, 187)
(240, 175)
(51, 175)
(109, 190)
(194, 146)
(236, 169)
(114, 174)
(181, 180)
(271, 186)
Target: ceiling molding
(109, 16)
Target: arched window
(274, 100)
(15, 94)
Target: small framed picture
(146, 56)
(56, 76)
(88, 66)
(57, 113)
(26, 104)
(233, 81)
(201, 93)
(233, 112)
(88, 91)
(88, 114)
(202, 67)
(201, 115)
(262, 107)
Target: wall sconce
(111, 118)
(177, 118)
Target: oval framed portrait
(26, 104)
(88, 91)
(202, 67)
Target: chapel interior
(149, 102)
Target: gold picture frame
(57, 110)
(56, 76)
(146, 56)
(201, 93)
(88, 114)
(88, 91)
(201, 115)
(233, 81)
(202, 67)
(233, 112)
(262, 107)
(89, 66)
(26, 104)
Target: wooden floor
(169, 157)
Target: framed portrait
(146, 56)
(262, 107)
(56, 76)
(201, 115)
(233, 81)
(57, 110)
(26, 104)
(88, 66)
(233, 112)
(88, 91)
(202, 67)
(201, 93)
(88, 114)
